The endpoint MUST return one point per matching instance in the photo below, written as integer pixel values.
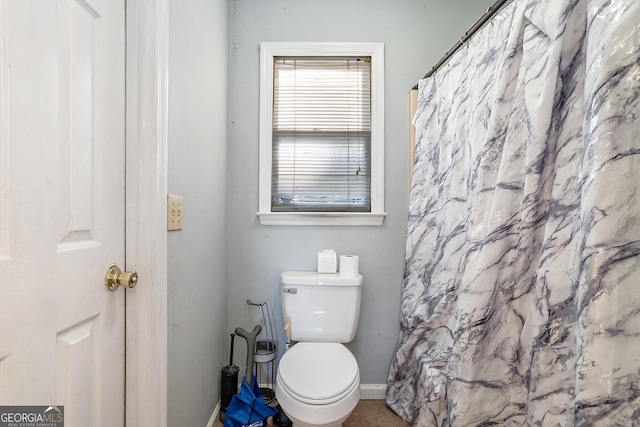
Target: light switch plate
(174, 212)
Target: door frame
(147, 46)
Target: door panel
(62, 206)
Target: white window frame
(267, 53)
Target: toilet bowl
(318, 384)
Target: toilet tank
(322, 307)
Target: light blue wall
(198, 141)
(416, 33)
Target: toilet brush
(229, 383)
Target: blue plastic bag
(248, 408)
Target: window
(321, 133)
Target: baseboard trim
(373, 391)
(214, 417)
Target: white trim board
(146, 188)
(213, 421)
(373, 391)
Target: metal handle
(115, 278)
(290, 290)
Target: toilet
(318, 381)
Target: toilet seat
(318, 373)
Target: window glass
(321, 134)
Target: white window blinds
(321, 134)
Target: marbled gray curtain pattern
(521, 297)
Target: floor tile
(368, 413)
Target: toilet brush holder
(266, 351)
(265, 367)
(228, 383)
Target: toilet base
(310, 416)
(336, 423)
(298, 425)
(320, 425)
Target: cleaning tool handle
(251, 349)
(231, 354)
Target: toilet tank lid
(315, 278)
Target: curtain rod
(487, 15)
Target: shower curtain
(521, 297)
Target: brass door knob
(115, 278)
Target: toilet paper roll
(327, 262)
(349, 265)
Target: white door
(62, 206)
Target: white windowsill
(322, 218)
